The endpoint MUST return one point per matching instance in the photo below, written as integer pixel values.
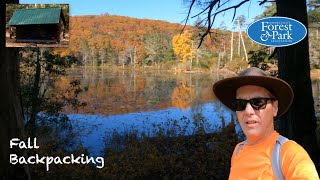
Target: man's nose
(248, 110)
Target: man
(257, 98)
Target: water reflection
(147, 122)
(183, 95)
(124, 101)
(119, 92)
(110, 92)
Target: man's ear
(275, 108)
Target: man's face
(256, 124)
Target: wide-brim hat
(225, 90)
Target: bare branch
(231, 7)
(186, 19)
(224, 3)
(211, 15)
(264, 1)
(209, 7)
(212, 3)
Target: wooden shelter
(38, 25)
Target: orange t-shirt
(254, 162)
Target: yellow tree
(182, 46)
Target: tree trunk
(134, 56)
(11, 116)
(231, 46)
(102, 57)
(191, 59)
(219, 59)
(299, 123)
(244, 47)
(31, 124)
(197, 57)
(92, 57)
(131, 55)
(239, 43)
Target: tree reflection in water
(124, 100)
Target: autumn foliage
(182, 45)
(182, 96)
(113, 38)
(117, 40)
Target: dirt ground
(12, 43)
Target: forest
(110, 40)
(124, 41)
(43, 95)
(107, 40)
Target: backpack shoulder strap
(240, 147)
(276, 159)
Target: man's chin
(252, 133)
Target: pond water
(144, 100)
(128, 100)
(119, 92)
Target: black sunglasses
(256, 103)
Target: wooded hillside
(118, 40)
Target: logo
(277, 31)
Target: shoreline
(225, 72)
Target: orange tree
(182, 45)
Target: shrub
(171, 154)
(237, 65)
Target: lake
(144, 100)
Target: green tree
(314, 13)
(158, 46)
(257, 57)
(270, 10)
(314, 28)
(314, 16)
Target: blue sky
(173, 11)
